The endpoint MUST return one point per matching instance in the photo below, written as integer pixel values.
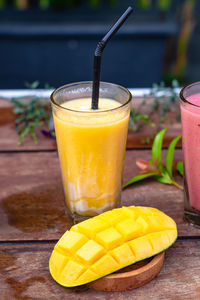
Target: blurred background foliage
(185, 12)
(162, 5)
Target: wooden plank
(9, 139)
(137, 140)
(24, 275)
(32, 202)
(8, 134)
(6, 112)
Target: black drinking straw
(98, 52)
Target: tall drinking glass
(91, 145)
(190, 118)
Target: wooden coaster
(130, 277)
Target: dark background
(55, 44)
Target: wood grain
(31, 197)
(24, 275)
(6, 112)
(136, 140)
(32, 200)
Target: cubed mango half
(108, 242)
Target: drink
(91, 145)
(190, 117)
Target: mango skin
(108, 242)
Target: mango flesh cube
(166, 222)
(155, 222)
(109, 238)
(71, 271)
(129, 229)
(107, 264)
(130, 213)
(113, 216)
(141, 247)
(90, 251)
(144, 225)
(91, 227)
(57, 262)
(71, 241)
(123, 254)
(88, 276)
(147, 210)
(161, 239)
(109, 242)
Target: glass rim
(182, 98)
(94, 111)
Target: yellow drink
(91, 146)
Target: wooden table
(32, 219)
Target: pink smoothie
(190, 118)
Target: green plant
(29, 116)
(32, 85)
(179, 167)
(154, 167)
(137, 120)
(2, 4)
(163, 5)
(44, 4)
(165, 100)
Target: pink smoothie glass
(190, 119)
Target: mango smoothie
(91, 146)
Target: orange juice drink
(91, 146)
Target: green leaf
(157, 146)
(137, 120)
(24, 132)
(33, 85)
(138, 178)
(95, 3)
(179, 167)
(145, 4)
(164, 4)
(145, 119)
(175, 83)
(44, 4)
(18, 110)
(150, 161)
(170, 154)
(34, 137)
(163, 179)
(17, 102)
